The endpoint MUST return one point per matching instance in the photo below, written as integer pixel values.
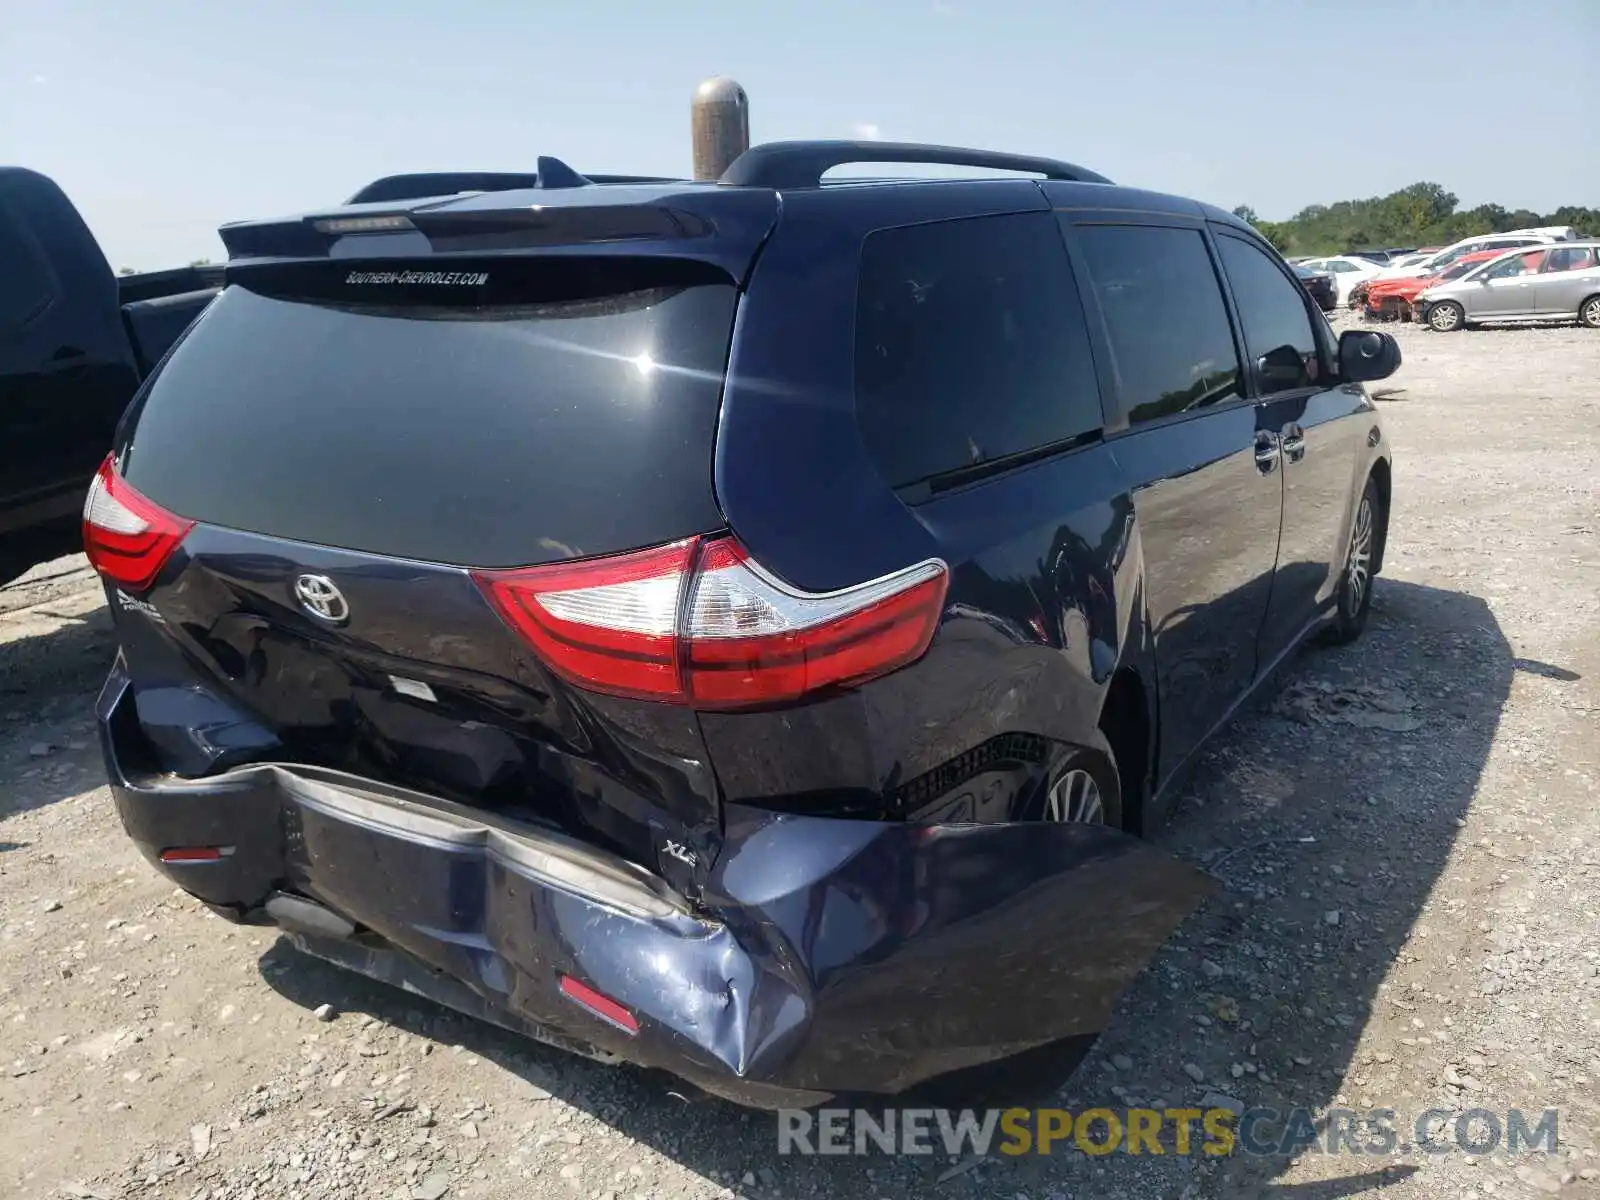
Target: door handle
(1266, 452)
(1293, 443)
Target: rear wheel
(1075, 798)
(1589, 312)
(1083, 789)
(1446, 317)
(1355, 586)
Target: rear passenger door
(1312, 417)
(1203, 469)
(1567, 278)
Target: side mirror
(1281, 368)
(1367, 357)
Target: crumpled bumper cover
(826, 956)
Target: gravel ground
(1408, 829)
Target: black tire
(1589, 312)
(1446, 317)
(1356, 580)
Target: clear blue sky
(165, 118)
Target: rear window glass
(545, 411)
(970, 345)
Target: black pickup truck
(75, 342)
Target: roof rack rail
(802, 164)
(446, 183)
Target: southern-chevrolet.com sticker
(432, 278)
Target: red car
(1358, 294)
(1391, 299)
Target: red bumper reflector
(600, 1005)
(195, 854)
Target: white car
(1512, 239)
(1347, 271)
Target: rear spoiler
(720, 226)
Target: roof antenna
(553, 173)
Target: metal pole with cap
(719, 123)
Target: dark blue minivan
(740, 628)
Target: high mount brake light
(127, 537)
(699, 622)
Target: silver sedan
(1559, 282)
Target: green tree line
(1423, 214)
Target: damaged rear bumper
(826, 956)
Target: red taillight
(699, 622)
(128, 538)
(752, 640)
(600, 1004)
(609, 624)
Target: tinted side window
(1517, 264)
(25, 278)
(1570, 258)
(1166, 318)
(1277, 327)
(970, 345)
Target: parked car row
(1424, 264)
(1558, 283)
(1356, 269)
(1509, 240)
(1392, 299)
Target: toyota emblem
(319, 597)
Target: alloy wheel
(1590, 315)
(1075, 799)
(1358, 566)
(1444, 317)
